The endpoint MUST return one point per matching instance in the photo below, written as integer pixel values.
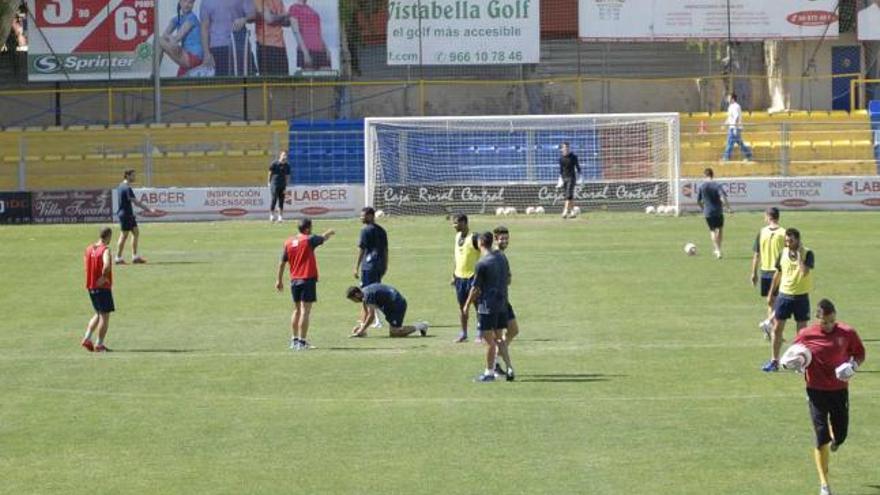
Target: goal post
(437, 165)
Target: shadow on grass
(158, 351)
(567, 378)
(870, 340)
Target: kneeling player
(489, 293)
(390, 302)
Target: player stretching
(713, 200)
(99, 282)
(387, 300)
(299, 251)
(502, 239)
(794, 281)
(837, 353)
(127, 220)
(768, 245)
(372, 260)
(467, 252)
(489, 293)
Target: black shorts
(568, 188)
(829, 407)
(272, 60)
(127, 223)
(395, 316)
(715, 222)
(510, 314)
(102, 300)
(304, 290)
(766, 282)
(369, 277)
(463, 289)
(491, 321)
(786, 306)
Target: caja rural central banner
(463, 32)
(706, 19)
(114, 39)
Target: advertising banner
(463, 32)
(811, 193)
(233, 203)
(72, 206)
(114, 39)
(435, 200)
(706, 19)
(869, 20)
(15, 208)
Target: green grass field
(638, 367)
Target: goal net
(439, 165)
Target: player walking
(127, 221)
(489, 293)
(390, 302)
(837, 352)
(99, 283)
(712, 199)
(794, 281)
(467, 252)
(299, 251)
(569, 170)
(768, 245)
(502, 240)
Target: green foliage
(638, 367)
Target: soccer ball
(530, 210)
(380, 213)
(539, 210)
(575, 211)
(690, 249)
(650, 210)
(510, 210)
(661, 210)
(796, 357)
(500, 211)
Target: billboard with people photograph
(114, 39)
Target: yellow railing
(854, 92)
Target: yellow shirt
(794, 282)
(466, 255)
(771, 241)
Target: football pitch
(637, 366)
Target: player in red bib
(299, 252)
(99, 282)
(837, 352)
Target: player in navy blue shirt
(489, 294)
(372, 260)
(127, 221)
(713, 200)
(390, 302)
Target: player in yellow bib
(467, 253)
(794, 280)
(768, 245)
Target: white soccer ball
(650, 210)
(380, 213)
(796, 357)
(510, 210)
(690, 249)
(530, 210)
(500, 211)
(539, 210)
(576, 211)
(672, 210)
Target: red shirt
(829, 350)
(299, 251)
(309, 26)
(94, 261)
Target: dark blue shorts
(492, 321)
(304, 290)
(102, 300)
(396, 315)
(463, 289)
(786, 306)
(715, 222)
(370, 277)
(127, 223)
(766, 282)
(510, 314)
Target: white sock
(490, 372)
(88, 335)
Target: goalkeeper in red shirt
(837, 352)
